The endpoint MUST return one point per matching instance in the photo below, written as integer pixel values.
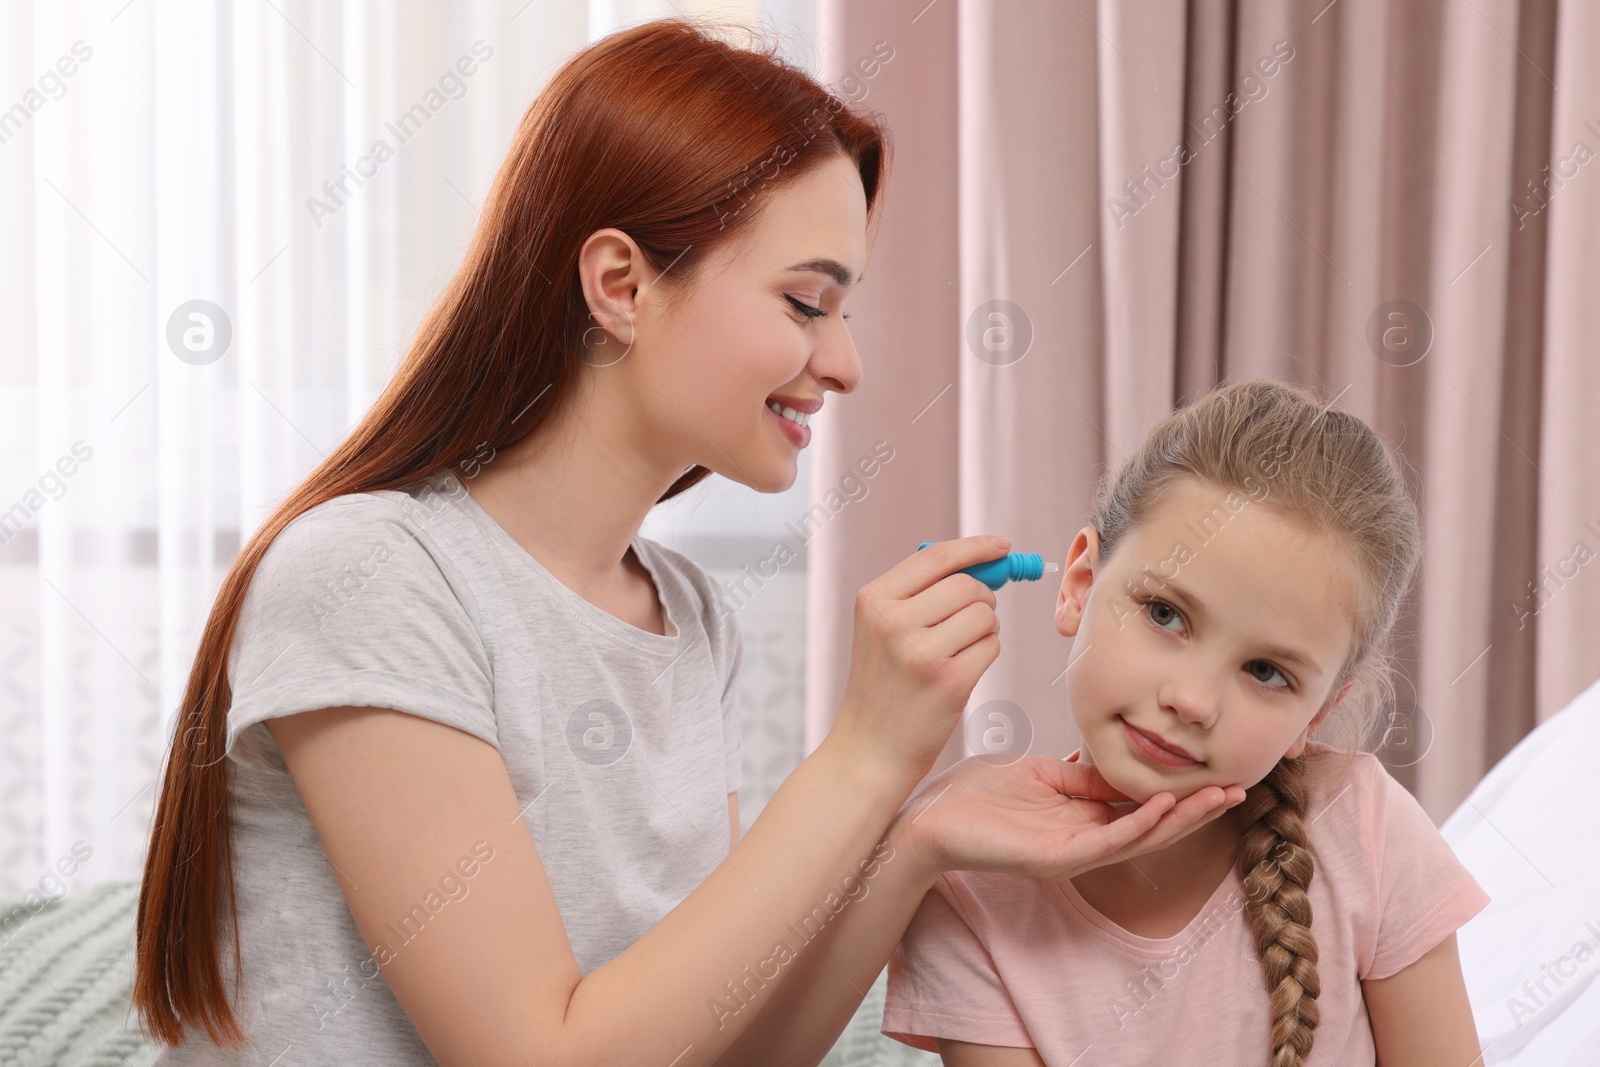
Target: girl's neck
(1192, 866)
(1158, 894)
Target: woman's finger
(1181, 819)
(1096, 843)
(1093, 811)
(1078, 779)
(949, 595)
(922, 569)
(971, 623)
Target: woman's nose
(836, 363)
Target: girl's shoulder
(1335, 774)
(1359, 815)
(1382, 865)
(990, 903)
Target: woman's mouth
(1153, 747)
(792, 422)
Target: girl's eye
(1273, 670)
(1156, 607)
(1161, 613)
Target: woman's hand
(1041, 816)
(923, 637)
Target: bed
(1529, 834)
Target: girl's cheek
(1259, 750)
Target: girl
(454, 777)
(1237, 584)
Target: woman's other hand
(1041, 816)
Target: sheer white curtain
(221, 225)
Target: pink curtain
(1050, 279)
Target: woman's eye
(1156, 609)
(1271, 671)
(805, 309)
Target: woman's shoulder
(678, 563)
(697, 583)
(372, 550)
(369, 521)
(414, 506)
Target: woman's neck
(574, 496)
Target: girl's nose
(1194, 695)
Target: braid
(1276, 867)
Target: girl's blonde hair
(1327, 471)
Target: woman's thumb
(1078, 779)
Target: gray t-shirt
(622, 746)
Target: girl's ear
(1076, 578)
(1317, 720)
(1299, 745)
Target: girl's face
(1206, 645)
(707, 362)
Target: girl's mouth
(1149, 746)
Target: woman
(473, 739)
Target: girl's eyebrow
(1283, 652)
(831, 267)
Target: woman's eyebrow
(831, 267)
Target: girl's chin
(1140, 783)
(1125, 780)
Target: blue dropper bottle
(1011, 567)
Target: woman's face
(706, 362)
(1216, 628)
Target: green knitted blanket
(66, 982)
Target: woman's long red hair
(662, 131)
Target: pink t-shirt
(998, 959)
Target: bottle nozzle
(1011, 567)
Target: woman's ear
(611, 270)
(1076, 579)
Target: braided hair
(1277, 869)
